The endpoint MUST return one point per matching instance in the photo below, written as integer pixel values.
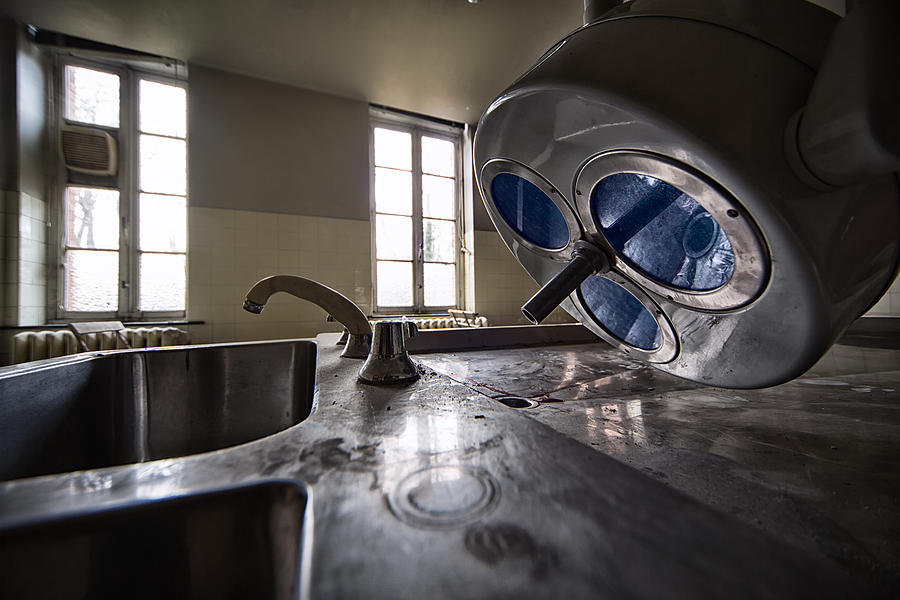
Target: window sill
(125, 323)
(411, 315)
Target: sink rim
(46, 522)
(44, 363)
(98, 508)
(29, 368)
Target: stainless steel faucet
(337, 305)
(389, 362)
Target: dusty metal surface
(435, 490)
(813, 462)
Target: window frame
(418, 127)
(126, 182)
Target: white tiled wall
(32, 260)
(9, 249)
(889, 305)
(502, 286)
(229, 250)
(24, 244)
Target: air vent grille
(88, 150)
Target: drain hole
(517, 402)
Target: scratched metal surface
(435, 490)
(813, 462)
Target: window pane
(437, 157)
(163, 223)
(162, 278)
(393, 191)
(394, 283)
(439, 238)
(440, 285)
(163, 109)
(393, 149)
(163, 165)
(92, 96)
(393, 237)
(92, 280)
(438, 197)
(92, 218)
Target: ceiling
(444, 58)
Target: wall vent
(88, 150)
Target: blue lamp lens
(662, 231)
(620, 313)
(529, 212)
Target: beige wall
(9, 158)
(230, 250)
(278, 184)
(24, 243)
(889, 305)
(502, 286)
(23, 179)
(258, 145)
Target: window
(123, 214)
(415, 175)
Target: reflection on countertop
(433, 489)
(815, 462)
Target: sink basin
(132, 406)
(238, 543)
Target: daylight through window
(415, 169)
(124, 234)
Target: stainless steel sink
(239, 543)
(114, 408)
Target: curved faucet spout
(334, 303)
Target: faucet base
(357, 345)
(397, 369)
(388, 361)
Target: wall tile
(245, 220)
(245, 238)
(223, 218)
(231, 260)
(11, 247)
(288, 240)
(266, 239)
(199, 334)
(502, 286)
(33, 251)
(882, 308)
(221, 332)
(267, 220)
(288, 260)
(31, 295)
(33, 272)
(10, 271)
(889, 304)
(894, 298)
(23, 235)
(32, 315)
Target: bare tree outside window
(125, 246)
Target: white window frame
(127, 137)
(418, 127)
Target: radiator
(445, 322)
(37, 345)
